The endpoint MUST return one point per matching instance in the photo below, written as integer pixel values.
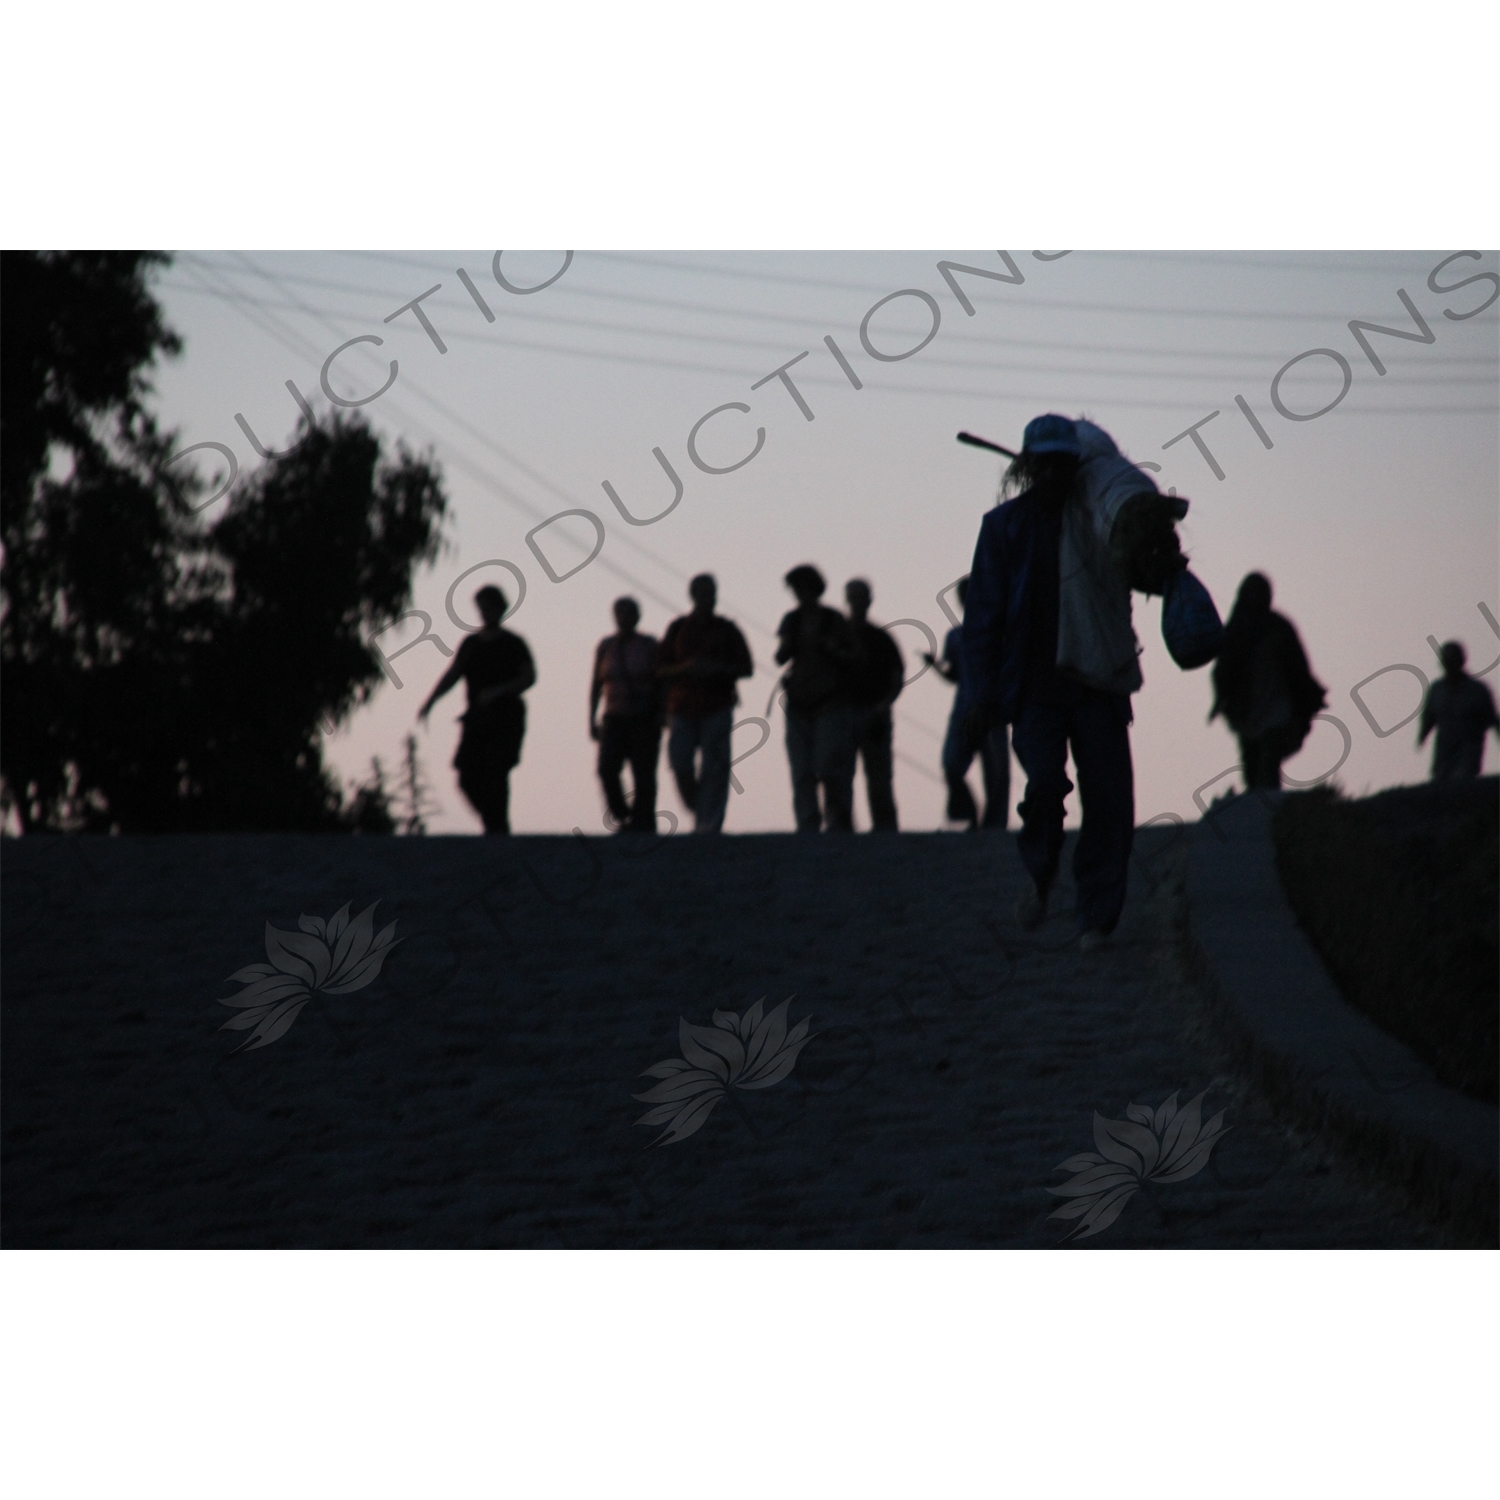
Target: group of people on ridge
(843, 674)
(1045, 651)
(687, 679)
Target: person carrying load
(1049, 647)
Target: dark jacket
(997, 609)
(822, 665)
(711, 638)
(1262, 679)
(878, 674)
(1462, 710)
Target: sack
(1190, 624)
(1096, 644)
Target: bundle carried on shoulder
(1119, 535)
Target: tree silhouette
(162, 673)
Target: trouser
(484, 762)
(994, 763)
(870, 741)
(703, 787)
(635, 738)
(1458, 760)
(488, 789)
(1261, 756)
(819, 746)
(1096, 726)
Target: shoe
(1031, 908)
(1091, 940)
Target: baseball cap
(1051, 434)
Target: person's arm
(1308, 694)
(651, 683)
(743, 663)
(942, 665)
(786, 634)
(449, 680)
(896, 677)
(668, 664)
(511, 688)
(733, 664)
(1427, 722)
(514, 686)
(945, 666)
(596, 689)
(983, 630)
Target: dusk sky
(1376, 521)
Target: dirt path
(478, 1092)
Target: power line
(780, 346)
(975, 295)
(960, 335)
(1040, 392)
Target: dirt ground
(478, 1091)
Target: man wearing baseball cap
(1011, 677)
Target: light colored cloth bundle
(1096, 642)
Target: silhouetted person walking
(702, 656)
(625, 679)
(819, 644)
(1263, 686)
(495, 666)
(875, 683)
(1010, 649)
(958, 753)
(1462, 710)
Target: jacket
(997, 610)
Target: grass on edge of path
(1400, 895)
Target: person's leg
(1100, 736)
(842, 762)
(1040, 737)
(468, 784)
(833, 762)
(994, 760)
(486, 786)
(1461, 759)
(1276, 746)
(497, 819)
(875, 747)
(1442, 759)
(957, 758)
(644, 752)
(682, 747)
(713, 787)
(1259, 763)
(1249, 760)
(613, 744)
(799, 754)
